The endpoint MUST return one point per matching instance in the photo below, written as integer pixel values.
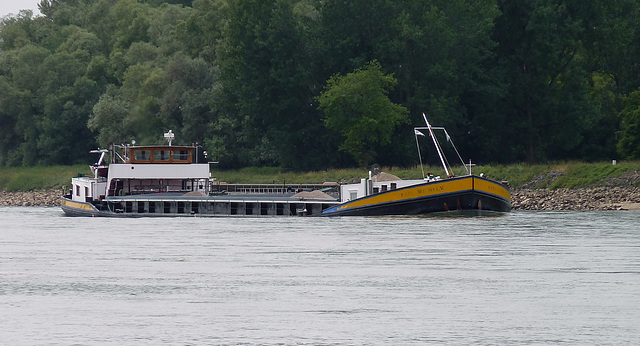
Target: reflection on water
(517, 278)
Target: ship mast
(435, 143)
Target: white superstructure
(143, 169)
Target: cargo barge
(169, 180)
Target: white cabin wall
(81, 189)
(159, 171)
(345, 191)
(99, 189)
(399, 183)
(361, 188)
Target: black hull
(471, 196)
(457, 194)
(458, 202)
(83, 209)
(209, 206)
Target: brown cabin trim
(158, 154)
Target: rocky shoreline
(600, 198)
(36, 198)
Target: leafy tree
(108, 118)
(357, 106)
(540, 48)
(266, 87)
(15, 105)
(629, 135)
(201, 31)
(441, 52)
(21, 70)
(613, 45)
(511, 80)
(151, 85)
(133, 20)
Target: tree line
(313, 84)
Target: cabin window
(353, 194)
(394, 186)
(384, 187)
(181, 155)
(142, 155)
(161, 155)
(86, 191)
(77, 190)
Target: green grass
(552, 175)
(516, 174)
(594, 174)
(40, 177)
(571, 175)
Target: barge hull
(457, 194)
(142, 206)
(470, 200)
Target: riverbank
(600, 198)
(36, 198)
(558, 186)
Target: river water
(520, 278)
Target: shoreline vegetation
(554, 186)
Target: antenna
(436, 144)
(417, 133)
(169, 136)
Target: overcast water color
(521, 278)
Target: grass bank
(39, 177)
(571, 175)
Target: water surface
(521, 278)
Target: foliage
(629, 143)
(513, 81)
(357, 106)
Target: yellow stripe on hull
(426, 190)
(491, 188)
(77, 205)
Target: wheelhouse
(159, 154)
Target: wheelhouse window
(161, 155)
(142, 155)
(181, 155)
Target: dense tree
(440, 52)
(527, 80)
(358, 107)
(540, 48)
(629, 144)
(265, 88)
